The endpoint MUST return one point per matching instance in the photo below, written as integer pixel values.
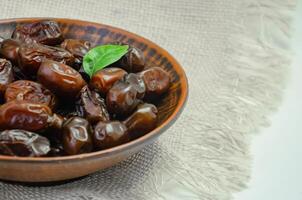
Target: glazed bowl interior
(169, 106)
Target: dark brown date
(77, 136)
(24, 115)
(132, 61)
(45, 32)
(121, 99)
(104, 79)
(78, 48)
(61, 79)
(125, 95)
(91, 106)
(9, 50)
(32, 55)
(23, 143)
(157, 81)
(6, 75)
(109, 134)
(30, 91)
(142, 120)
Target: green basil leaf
(102, 56)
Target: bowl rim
(108, 152)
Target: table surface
(277, 151)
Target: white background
(277, 151)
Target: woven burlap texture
(234, 53)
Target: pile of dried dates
(51, 107)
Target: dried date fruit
(30, 91)
(44, 32)
(121, 99)
(23, 143)
(137, 82)
(27, 116)
(142, 121)
(157, 81)
(133, 61)
(6, 75)
(76, 136)
(78, 48)
(91, 106)
(104, 79)
(61, 79)
(9, 50)
(109, 134)
(125, 95)
(32, 55)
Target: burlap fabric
(235, 54)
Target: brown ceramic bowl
(47, 169)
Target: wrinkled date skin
(157, 81)
(61, 79)
(142, 120)
(23, 143)
(25, 115)
(45, 32)
(9, 50)
(77, 136)
(125, 95)
(132, 61)
(137, 82)
(78, 48)
(30, 91)
(104, 79)
(91, 106)
(6, 75)
(32, 55)
(109, 134)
